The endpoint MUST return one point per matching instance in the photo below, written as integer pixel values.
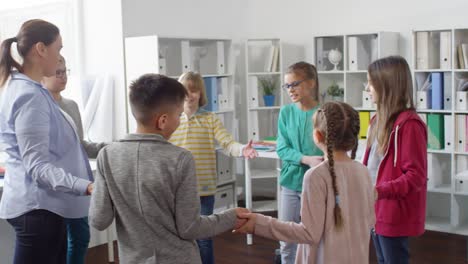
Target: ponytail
(7, 63)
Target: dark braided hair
(339, 123)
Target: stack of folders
(217, 93)
(264, 146)
(431, 93)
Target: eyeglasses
(62, 73)
(294, 84)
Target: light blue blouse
(46, 167)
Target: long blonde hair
(340, 125)
(391, 79)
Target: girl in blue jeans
(295, 146)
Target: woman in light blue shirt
(47, 172)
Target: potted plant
(335, 92)
(268, 85)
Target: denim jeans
(291, 212)
(206, 245)
(390, 250)
(40, 238)
(78, 239)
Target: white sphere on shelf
(335, 56)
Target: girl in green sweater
(295, 146)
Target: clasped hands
(245, 222)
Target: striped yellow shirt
(198, 135)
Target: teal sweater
(294, 141)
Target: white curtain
(98, 99)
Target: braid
(330, 141)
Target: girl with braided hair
(396, 156)
(337, 197)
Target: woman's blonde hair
(198, 85)
(339, 123)
(391, 79)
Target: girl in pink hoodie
(337, 197)
(396, 156)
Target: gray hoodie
(149, 186)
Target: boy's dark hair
(151, 91)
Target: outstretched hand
(249, 226)
(249, 152)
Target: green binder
(435, 124)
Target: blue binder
(437, 90)
(211, 85)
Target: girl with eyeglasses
(295, 145)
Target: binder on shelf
(445, 48)
(269, 59)
(253, 128)
(448, 128)
(211, 85)
(320, 63)
(461, 60)
(223, 93)
(186, 56)
(253, 91)
(366, 100)
(221, 66)
(437, 90)
(357, 55)
(435, 124)
(364, 118)
(423, 99)
(422, 50)
(466, 133)
(465, 54)
(462, 100)
(162, 66)
(275, 62)
(461, 182)
(423, 93)
(460, 135)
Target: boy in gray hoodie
(149, 185)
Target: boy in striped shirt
(197, 132)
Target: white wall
(301, 20)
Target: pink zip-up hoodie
(400, 209)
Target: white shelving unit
(264, 60)
(435, 58)
(214, 59)
(358, 51)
